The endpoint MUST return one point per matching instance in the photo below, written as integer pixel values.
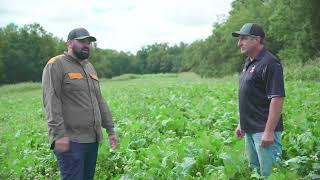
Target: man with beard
(75, 108)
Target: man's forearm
(274, 113)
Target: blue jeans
(263, 157)
(79, 162)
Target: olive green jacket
(73, 102)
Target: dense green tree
(2, 60)
(25, 51)
(292, 28)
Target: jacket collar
(72, 59)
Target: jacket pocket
(74, 82)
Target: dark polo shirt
(260, 81)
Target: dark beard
(80, 53)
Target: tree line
(292, 28)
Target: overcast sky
(123, 25)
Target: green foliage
(137, 76)
(292, 34)
(292, 29)
(170, 126)
(24, 52)
(309, 71)
(160, 58)
(156, 58)
(109, 63)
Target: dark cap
(80, 33)
(249, 29)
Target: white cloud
(120, 24)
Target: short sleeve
(274, 80)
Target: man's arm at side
(275, 110)
(51, 84)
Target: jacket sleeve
(106, 116)
(51, 85)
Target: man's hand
(113, 141)
(62, 144)
(267, 138)
(238, 132)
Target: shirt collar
(250, 61)
(260, 54)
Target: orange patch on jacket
(75, 75)
(93, 76)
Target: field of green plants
(173, 126)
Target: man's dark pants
(78, 162)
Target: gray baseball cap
(80, 33)
(249, 29)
